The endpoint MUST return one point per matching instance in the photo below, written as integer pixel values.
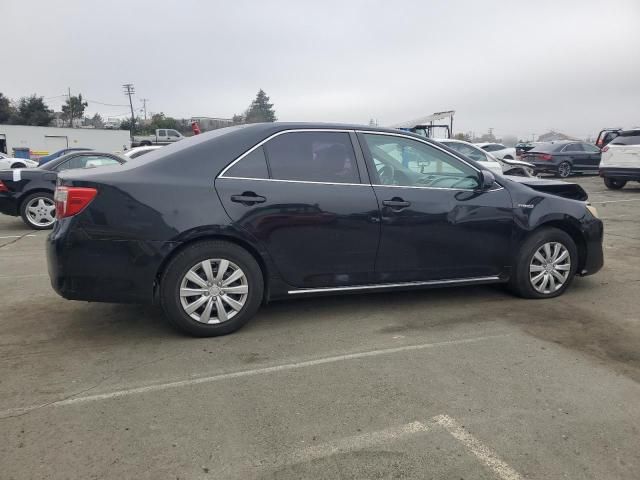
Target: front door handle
(248, 198)
(396, 203)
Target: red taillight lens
(3, 187)
(72, 200)
(606, 148)
(545, 156)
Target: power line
(108, 104)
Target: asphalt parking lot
(464, 383)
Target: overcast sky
(521, 67)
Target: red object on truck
(195, 128)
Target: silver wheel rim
(213, 291)
(564, 169)
(41, 211)
(549, 267)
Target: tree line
(32, 110)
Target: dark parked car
(59, 153)
(29, 193)
(564, 158)
(215, 225)
(524, 147)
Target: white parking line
(618, 201)
(76, 400)
(358, 442)
(2, 277)
(367, 440)
(19, 236)
(487, 456)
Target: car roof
(57, 161)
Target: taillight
(3, 187)
(72, 200)
(545, 156)
(606, 148)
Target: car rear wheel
(38, 211)
(211, 288)
(564, 169)
(613, 184)
(546, 265)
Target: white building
(42, 141)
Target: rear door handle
(396, 203)
(248, 198)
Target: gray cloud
(519, 67)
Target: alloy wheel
(213, 291)
(564, 169)
(549, 267)
(41, 211)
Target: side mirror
(487, 179)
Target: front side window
(253, 165)
(172, 133)
(405, 162)
(162, 133)
(590, 148)
(313, 156)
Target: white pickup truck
(163, 136)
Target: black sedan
(29, 192)
(564, 158)
(215, 225)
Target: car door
(162, 135)
(436, 224)
(301, 194)
(577, 156)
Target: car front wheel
(613, 184)
(211, 288)
(546, 264)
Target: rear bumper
(118, 271)
(619, 173)
(544, 167)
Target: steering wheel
(387, 175)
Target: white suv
(620, 160)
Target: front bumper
(593, 259)
(619, 173)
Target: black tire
(18, 165)
(564, 170)
(520, 282)
(508, 157)
(145, 144)
(613, 184)
(23, 210)
(188, 258)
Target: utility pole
(144, 107)
(70, 108)
(129, 90)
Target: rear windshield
(547, 147)
(631, 137)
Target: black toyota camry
(216, 225)
(28, 192)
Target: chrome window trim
(394, 285)
(297, 181)
(344, 130)
(282, 132)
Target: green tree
(73, 108)
(462, 136)
(97, 121)
(32, 111)
(260, 110)
(6, 110)
(237, 119)
(159, 120)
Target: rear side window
(627, 138)
(254, 165)
(313, 156)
